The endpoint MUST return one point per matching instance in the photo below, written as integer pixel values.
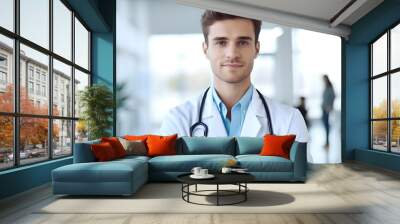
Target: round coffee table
(238, 179)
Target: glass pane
(6, 142)
(81, 45)
(81, 81)
(6, 74)
(395, 138)
(7, 14)
(35, 21)
(33, 139)
(62, 137)
(62, 29)
(379, 55)
(379, 135)
(62, 89)
(81, 131)
(395, 47)
(395, 94)
(34, 92)
(379, 98)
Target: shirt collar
(244, 101)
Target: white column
(283, 77)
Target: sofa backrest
(192, 146)
(83, 153)
(249, 145)
(206, 145)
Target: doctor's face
(231, 49)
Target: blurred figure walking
(328, 97)
(303, 110)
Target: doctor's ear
(205, 48)
(257, 48)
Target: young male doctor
(232, 106)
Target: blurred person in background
(328, 97)
(303, 110)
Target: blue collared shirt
(233, 127)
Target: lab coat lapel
(212, 118)
(255, 114)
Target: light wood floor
(377, 188)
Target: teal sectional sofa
(125, 176)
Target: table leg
(217, 194)
(245, 191)
(196, 188)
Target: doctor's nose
(232, 52)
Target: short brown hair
(210, 17)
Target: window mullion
(50, 81)
(73, 82)
(16, 83)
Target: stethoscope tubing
(200, 123)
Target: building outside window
(34, 81)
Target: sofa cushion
(116, 145)
(161, 145)
(111, 171)
(277, 145)
(249, 145)
(185, 163)
(257, 163)
(103, 152)
(206, 145)
(136, 147)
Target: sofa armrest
(298, 155)
(83, 152)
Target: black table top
(220, 178)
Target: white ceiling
(321, 9)
(316, 15)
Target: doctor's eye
(243, 43)
(221, 43)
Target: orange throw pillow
(116, 145)
(161, 145)
(275, 145)
(103, 151)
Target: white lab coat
(285, 119)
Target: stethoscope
(201, 124)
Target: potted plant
(97, 103)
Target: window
(55, 127)
(62, 29)
(43, 77)
(81, 45)
(6, 73)
(3, 61)
(38, 89)
(43, 90)
(3, 72)
(30, 87)
(30, 72)
(37, 75)
(34, 25)
(7, 14)
(62, 74)
(385, 97)
(3, 78)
